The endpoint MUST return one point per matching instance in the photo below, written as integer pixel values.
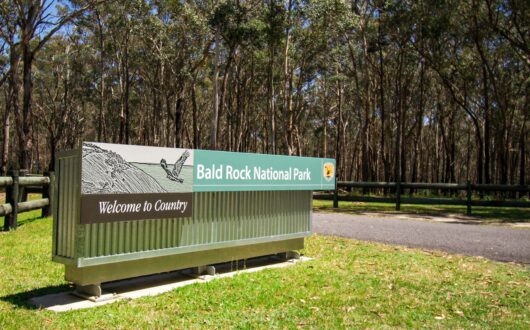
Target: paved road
(493, 242)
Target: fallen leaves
(348, 309)
(459, 313)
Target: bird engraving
(173, 175)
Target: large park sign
(124, 182)
(124, 211)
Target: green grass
(488, 214)
(349, 284)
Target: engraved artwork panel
(115, 169)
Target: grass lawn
(488, 214)
(349, 284)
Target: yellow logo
(329, 171)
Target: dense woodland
(425, 91)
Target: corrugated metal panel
(217, 217)
(69, 176)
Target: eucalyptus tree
(394, 90)
(35, 25)
(10, 74)
(62, 93)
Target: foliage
(431, 91)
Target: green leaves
(236, 24)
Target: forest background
(429, 90)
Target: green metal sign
(231, 171)
(125, 182)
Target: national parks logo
(329, 171)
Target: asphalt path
(493, 242)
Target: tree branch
(66, 20)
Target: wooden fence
(17, 186)
(398, 191)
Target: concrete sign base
(155, 284)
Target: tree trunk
(325, 122)
(223, 95)
(384, 158)
(399, 121)
(272, 115)
(53, 148)
(124, 97)
(196, 136)
(365, 161)
(487, 176)
(270, 85)
(127, 105)
(5, 143)
(25, 131)
(178, 121)
(101, 134)
(25, 120)
(419, 127)
(122, 112)
(12, 106)
(215, 117)
(288, 85)
(338, 150)
(168, 120)
(522, 161)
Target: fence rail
(398, 188)
(17, 186)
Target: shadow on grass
(48, 296)
(24, 219)
(21, 299)
(504, 215)
(480, 215)
(28, 220)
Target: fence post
(48, 193)
(12, 197)
(398, 195)
(22, 191)
(468, 202)
(336, 197)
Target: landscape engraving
(106, 171)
